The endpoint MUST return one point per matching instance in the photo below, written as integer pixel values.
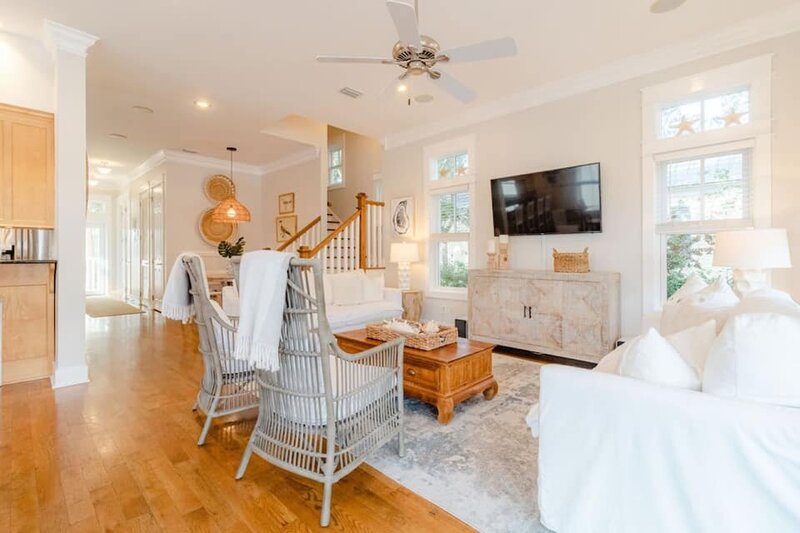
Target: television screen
(566, 200)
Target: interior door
(134, 251)
(157, 248)
(145, 249)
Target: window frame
(334, 148)
(433, 187)
(754, 74)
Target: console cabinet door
(485, 302)
(584, 312)
(27, 168)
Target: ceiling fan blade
(455, 88)
(354, 59)
(492, 49)
(405, 20)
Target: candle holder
(502, 256)
(491, 261)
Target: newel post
(304, 252)
(362, 230)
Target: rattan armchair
(228, 385)
(324, 411)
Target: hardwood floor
(120, 453)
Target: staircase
(355, 243)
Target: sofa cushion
(767, 301)
(693, 344)
(715, 302)
(347, 287)
(693, 284)
(373, 286)
(344, 317)
(756, 357)
(654, 359)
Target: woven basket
(572, 262)
(420, 341)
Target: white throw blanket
(262, 296)
(177, 303)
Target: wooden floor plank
(120, 454)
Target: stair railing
(309, 235)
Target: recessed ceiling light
(143, 109)
(117, 136)
(423, 98)
(103, 169)
(402, 88)
(188, 151)
(93, 183)
(202, 104)
(664, 6)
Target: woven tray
(577, 263)
(420, 341)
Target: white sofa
(352, 300)
(618, 454)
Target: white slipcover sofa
(618, 454)
(352, 300)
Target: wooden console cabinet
(27, 292)
(566, 315)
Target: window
(706, 168)
(449, 184)
(335, 166)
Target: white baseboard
(68, 376)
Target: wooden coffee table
(444, 377)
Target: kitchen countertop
(26, 261)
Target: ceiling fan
(418, 54)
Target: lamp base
(747, 281)
(404, 275)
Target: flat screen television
(566, 200)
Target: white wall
(26, 73)
(301, 179)
(605, 126)
(362, 160)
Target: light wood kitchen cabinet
(567, 315)
(27, 294)
(27, 168)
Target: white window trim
(756, 74)
(430, 187)
(333, 148)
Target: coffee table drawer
(425, 376)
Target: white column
(69, 47)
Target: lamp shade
(404, 252)
(230, 211)
(754, 249)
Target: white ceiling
(254, 61)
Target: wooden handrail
(374, 202)
(305, 229)
(332, 235)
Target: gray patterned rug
(482, 466)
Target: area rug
(100, 306)
(482, 466)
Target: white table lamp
(751, 253)
(404, 253)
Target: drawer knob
(412, 372)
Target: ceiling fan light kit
(419, 54)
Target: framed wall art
(286, 203)
(403, 216)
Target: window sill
(336, 186)
(447, 294)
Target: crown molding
(223, 165)
(60, 37)
(762, 28)
(291, 160)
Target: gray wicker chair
(228, 385)
(324, 411)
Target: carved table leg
(445, 408)
(491, 391)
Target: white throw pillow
(348, 287)
(373, 286)
(652, 358)
(756, 358)
(693, 284)
(767, 301)
(715, 302)
(693, 344)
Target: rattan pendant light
(231, 210)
